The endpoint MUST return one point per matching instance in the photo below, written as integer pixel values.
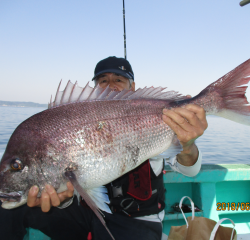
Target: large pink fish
(93, 136)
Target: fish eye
(16, 164)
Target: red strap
(89, 236)
(140, 182)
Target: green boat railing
(220, 191)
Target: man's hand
(189, 123)
(49, 197)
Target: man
(188, 123)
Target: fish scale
(111, 138)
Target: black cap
(114, 65)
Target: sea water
(223, 142)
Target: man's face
(115, 81)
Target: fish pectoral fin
(100, 197)
(88, 199)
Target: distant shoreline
(21, 104)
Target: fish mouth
(11, 197)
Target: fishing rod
(125, 50)
(244, 2)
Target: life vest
(137, 193)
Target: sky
(184, 45)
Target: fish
(92, 136)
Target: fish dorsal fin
(74, 93)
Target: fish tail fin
(226, 97)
